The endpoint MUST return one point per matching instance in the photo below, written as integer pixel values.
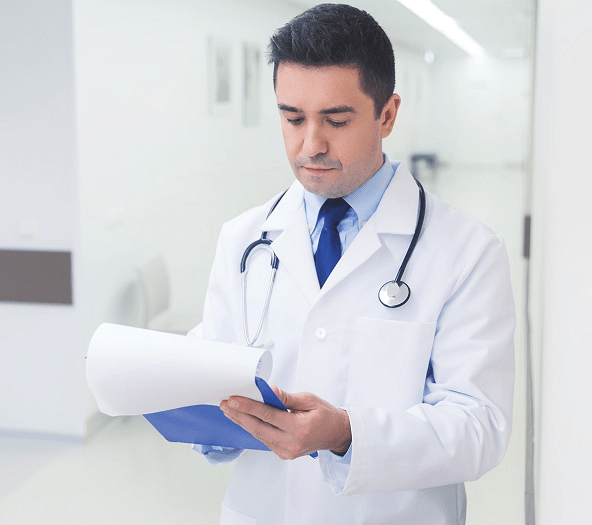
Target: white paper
(135, 371)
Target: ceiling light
(445, 24)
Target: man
(403, 404)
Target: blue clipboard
(207, 424)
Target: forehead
(312, 88)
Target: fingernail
(233, 403)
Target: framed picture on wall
(251, 83)
(219, 76)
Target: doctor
(403, 404)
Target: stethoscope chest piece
(393, 294)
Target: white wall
(41, 370)
(158, 172)
(480, 112)
(414, 82)
(561, 299)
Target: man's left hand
(310, 424)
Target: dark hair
(338, 34)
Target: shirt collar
(363, 200)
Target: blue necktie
(329, 248)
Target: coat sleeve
(462, 427)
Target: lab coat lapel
(361, 249)
(396, 215)
(292, 244)
(398, 209)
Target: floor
(126, 474)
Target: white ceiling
(498, 25)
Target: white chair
(155, 297)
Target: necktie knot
(333, 211)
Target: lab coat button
(268, 343)
(321, 333)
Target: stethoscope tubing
(265, 243)
(274, 267)
(416, 233)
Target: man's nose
(314, 142)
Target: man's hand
(311, 424)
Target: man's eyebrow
(328, 111)
(338, 109)
(291, 109)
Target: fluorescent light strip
(445, 24)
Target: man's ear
(389, 115)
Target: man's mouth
(318, 170)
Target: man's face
(333, 141)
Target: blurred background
(130, 130)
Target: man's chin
(322, 191)
(319, 186)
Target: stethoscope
(391, 294)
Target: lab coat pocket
(231, 517)
(389, 362)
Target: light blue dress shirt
(363, 203)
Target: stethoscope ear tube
(259, 242)
(263, 243)
(263, 240)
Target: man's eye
(295, 121)
(337, 124)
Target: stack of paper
(177, 382)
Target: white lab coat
(428, 386)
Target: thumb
(289, 400)
(283, 396)
(292, 402)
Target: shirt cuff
(218, 455)
(335, 468)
